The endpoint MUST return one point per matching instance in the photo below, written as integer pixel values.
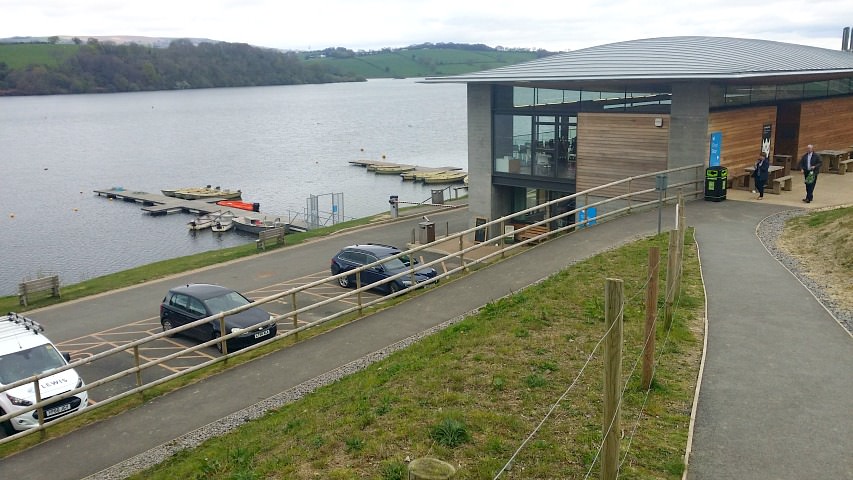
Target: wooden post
(612, 428)
(222, 333)
(651, 313)
(671, 265)
(358, 287)
(295, 315)
(136, 362)
(462, 254)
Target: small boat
(201, 222)
(392, 169)
(223, 222)
(446, 177)
(238, 204)
(196, 193)
(252, 225)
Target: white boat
(223, 222)
(252, 225)
(201, 222)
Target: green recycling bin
(715, 183)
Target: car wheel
(7, 425)
(393, 288)
(344, 282)
(167, 325)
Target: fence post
(358, 287)
(222, 333)
(295, 315)
(671, 265)
(651, 313)
(613, 301)
(462, 254)
(138, 371)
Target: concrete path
(776, 396)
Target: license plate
(57, 410)
(262, 334)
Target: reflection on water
(279, 145)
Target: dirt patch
(824, 248)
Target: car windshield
(26, 363)
(393, 264)
(225, 302)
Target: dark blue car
(356, 256)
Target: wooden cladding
(826, 124)
(614, 146)
(742, 130)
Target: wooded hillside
(95, 66)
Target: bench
(26, 289)
(783, 183)
(738, 180)
(845, 166)
(532, 233)
(272, 235)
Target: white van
(24, 353)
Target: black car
(356, 256)
(192, 302)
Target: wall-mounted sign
(765, 138)
(716, 149)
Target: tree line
(103, 67)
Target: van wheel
(7, 425)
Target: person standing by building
(761, 172)
(810, 165)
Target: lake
(279, 145)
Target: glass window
(787, 92)
(26, 363)
(815, 89)
(763, 93)
(223, 302)
(839, 87)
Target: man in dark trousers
(810, 165)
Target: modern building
(543, 129)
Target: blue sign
(716, 149)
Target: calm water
(279, 145)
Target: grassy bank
(165, 268)
(473, 392)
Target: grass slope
(473, 392)
(21, 55)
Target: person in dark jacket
(810, 165)
(761, 172)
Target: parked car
(188, 303)
(25, 352)
(355, 256)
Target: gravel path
(769, 231)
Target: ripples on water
(277, 144)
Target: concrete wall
(689, 140)
(485, 200)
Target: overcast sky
(374, 24)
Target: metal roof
(672, 58)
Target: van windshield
(26, 363)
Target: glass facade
(740, 95)
(536, 129)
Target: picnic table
(786, 161)
(774, 172)
(832, 159)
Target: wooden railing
(622, 204)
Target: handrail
(134, 345)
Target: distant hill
(420, 60)
(57, 65)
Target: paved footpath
(774, 402)
(776, 395)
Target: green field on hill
(22, 55)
